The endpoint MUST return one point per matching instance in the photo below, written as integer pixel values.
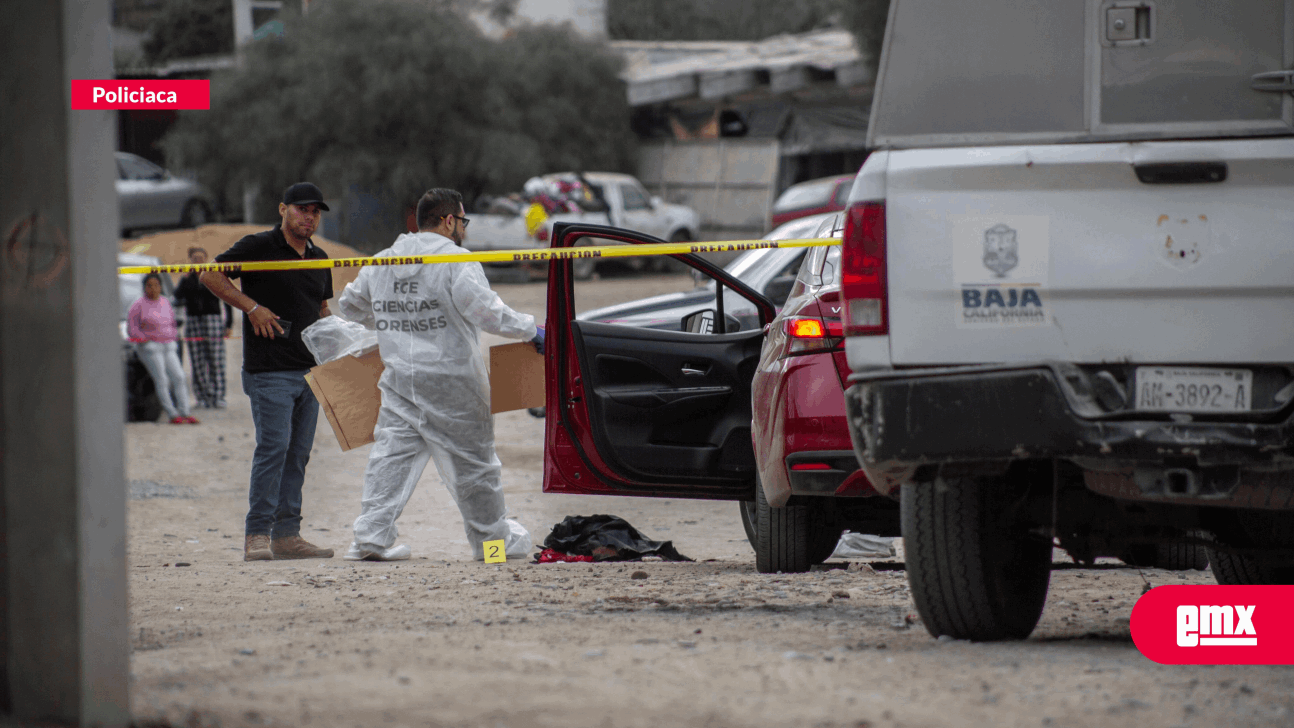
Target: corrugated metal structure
(714, 70)
(727, 125)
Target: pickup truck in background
(1067, 272)
(619, 200)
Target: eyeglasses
(461, 219)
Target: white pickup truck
(1069, 269)
(627, 205)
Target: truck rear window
(982, 67)
(1022, 71)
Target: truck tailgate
(1179, 251)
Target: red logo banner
(1215, 625)
(135, 94)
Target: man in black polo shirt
(276, 306)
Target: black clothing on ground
(607, 538)
(293, 295)
(198, 301)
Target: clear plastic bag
(863, 546)
(333, 337)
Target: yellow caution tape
(498, 256)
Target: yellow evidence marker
(494, 552)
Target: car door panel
(690, 425)
(647, 412)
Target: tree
(398, 97)
(187, 28)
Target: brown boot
(295, 547)
(257, 548)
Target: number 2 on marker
(494, 552)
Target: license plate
(1182, 389)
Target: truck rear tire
(1174, 556)
(1242, 570)
(788, 539)
(975, 572)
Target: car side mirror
(656, 201)
(702, 322)
(779, 289)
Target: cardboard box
(516, 377)
(348, 394)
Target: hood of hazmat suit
(435, 387)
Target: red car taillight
(812, 334)
(862, 270)
(541, 234)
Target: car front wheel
(195, 214)
(975, 570)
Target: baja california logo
(1001, 251)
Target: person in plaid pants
(206, 331)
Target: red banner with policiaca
(135, 94)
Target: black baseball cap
(304, 193)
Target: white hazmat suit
(435, 392)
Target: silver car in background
(151, 197)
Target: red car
(826, 194)
(658, 413)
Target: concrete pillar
(63, 614)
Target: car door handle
(1181, 173)
(1273, 81)
(690, 372)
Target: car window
(842, 192)
(133, 167)
(634, 199)
(805, 195)
(822, 264)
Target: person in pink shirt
(151, 325)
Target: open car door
(645, 412)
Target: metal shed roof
(670, 70)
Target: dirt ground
(441, 640)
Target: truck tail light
(862, 270)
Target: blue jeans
(285, 412)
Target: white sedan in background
(151, 197)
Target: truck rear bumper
(903, 419)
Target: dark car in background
(815, 197)
(151, 197)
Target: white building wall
(587, 17)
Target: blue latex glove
(538, 340)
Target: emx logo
(1215, 625)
